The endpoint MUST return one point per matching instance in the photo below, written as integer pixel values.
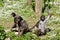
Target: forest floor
(26, 12)
(53, 24)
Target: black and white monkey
(40, 27)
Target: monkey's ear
(13, 13)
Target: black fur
(42, 18)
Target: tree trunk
(38, 8)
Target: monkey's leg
(20, 31)
(46, 30)
(37, 31)
(43, 33)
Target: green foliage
(46, 3)
(33, 5)
(12, 35)
(53, 37)
(2, 33)
(33, 2)
(1, 0)
(56, 38)
(27, 36)
(1, 4)
(26, 12)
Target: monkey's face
(42, 18)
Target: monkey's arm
(49, 15)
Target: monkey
(40, 26)
(21, 23)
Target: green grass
(2, 33)
(29, 15)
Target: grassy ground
(6, 20)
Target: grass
(29, 15)
(53, 24)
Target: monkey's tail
(30, 29)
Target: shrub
(2, 34)
(27, 36)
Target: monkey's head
(42, 18)
(13, 14)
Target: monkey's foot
(14, 29)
